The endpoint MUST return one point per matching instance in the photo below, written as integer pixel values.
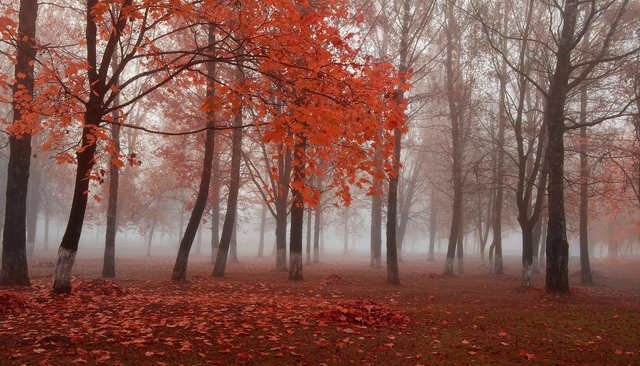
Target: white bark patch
(448, 267)
(527, 274)
(62, 273)
(295, 264)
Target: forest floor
(342, 313)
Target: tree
(14, 256)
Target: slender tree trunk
(14, 256)
(585, 266)
(527, 254)
(71, 237)
(33, 199)
(180, 267)
(109, 263)
(263, 219)
(150, 237)
(215, 225)
(234, 187)
(309, 235)
(316, 232)
(297, 211)
(557, 279)
(393, 275)
(376, 227)
(433, 225)
(199, 239)
(455, 114)
(284, 172)
(460, 247)
(233, 248)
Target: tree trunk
(527, 254)
(316, 232)
(215, 225)
(376, 226)
(284, 172)
(557, 278)
(308, 235)
(433, 225)
(14, 255)
(234, 186)
(455, 115)
(109, 264)
(263, 219)
(297, 211)
(180, 267)
(150, 237)
(585, 266)
(69, 244)
(233, 247)
(33, 199)
(393, 275)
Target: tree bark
(263, 219)
(284, 173)
(297, 211)
(376, 225)
(33, 199)
(393, 275)
(585, 266)
(109, 263)
(557, 278)
(180, 267)
(14, 257)
(316, 232)
(308, 235)
(433, 225)
(455, 115)
(234, 186)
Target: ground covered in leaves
(341, 314)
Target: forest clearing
(343, 313)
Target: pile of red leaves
(365, 313)
(11, 302)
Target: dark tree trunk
(33, 199)
(215, 225)
(180, 267)
(496, 220)
(557, 278)
(232, 200)
(527, 254)
(263, 219)
(284, 173)
(14, 255)
(109, 264)
(150, 237)
(376, 226)
(308, 235)
(71, 237)
(460, 248)
(297, 211)
(233, 248)
(393, 275)
(454, 100)
(316, 232)
(585, 266)
(433, 225)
